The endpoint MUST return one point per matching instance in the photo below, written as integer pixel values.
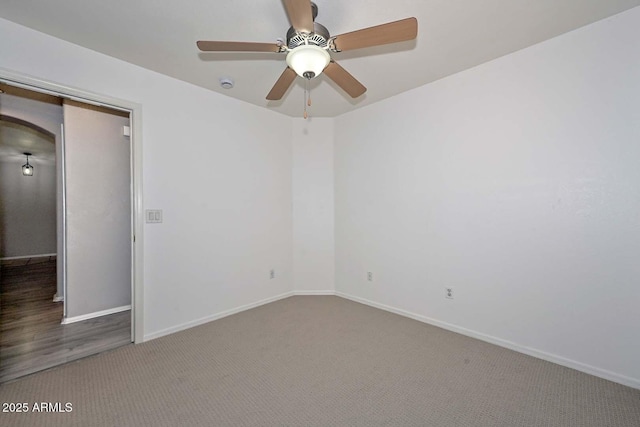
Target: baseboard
(578, 366)
(93, 315)
(216, 316)
(27, 256)
(329, 292)
(57, 298)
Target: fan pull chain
(307, 99)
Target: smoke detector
(226, 83)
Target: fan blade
(286, 78)
(211, 46)
(392, 32)
(346, 81)
(300, 14)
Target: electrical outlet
(272, 274)
(369, 276)
(448, 293)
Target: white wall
(516, 183)
(27, 209)
(312, 176)
(227, 222)
(98, 211)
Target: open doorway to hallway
(65, 231)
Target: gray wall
(27, 209)
(49, 117)
(98, 214)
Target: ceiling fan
(308, 45)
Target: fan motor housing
(319, 37)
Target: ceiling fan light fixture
(308, 61)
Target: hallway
(31, 336)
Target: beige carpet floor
(319, 361)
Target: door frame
(137, 211)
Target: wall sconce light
(27, 169)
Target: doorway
(86, 312)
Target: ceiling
(18, 136)
(453, 35)
(16, 139)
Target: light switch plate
(153, 216)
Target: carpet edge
(216, 316)
(559, 360)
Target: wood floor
(31, 336)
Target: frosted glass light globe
(308, 59)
